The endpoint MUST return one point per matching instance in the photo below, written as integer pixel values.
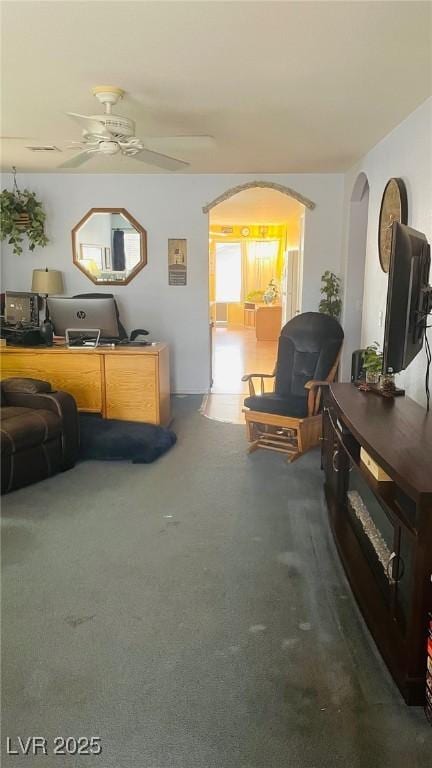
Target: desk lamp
(47, 283)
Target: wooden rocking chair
(288, 418)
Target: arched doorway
(282, 188)
(255, 239)
(355, 270)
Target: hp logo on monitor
(81, 315)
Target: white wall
(169, 206)
(405, 152)
(95, 231)
(352, 306)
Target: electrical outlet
(380, 318)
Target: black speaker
(46, 332)
(357, 371)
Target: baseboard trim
(191, 392)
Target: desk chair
(288, 419)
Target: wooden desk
(130, 383)
(265, 318)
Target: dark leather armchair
(288, 418)
(39, 432)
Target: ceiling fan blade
(161, 161)
(90, 125)
(16, 138)
(75, 161)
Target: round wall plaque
(394, 207)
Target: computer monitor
(408, 297)
(21, 307)
(84, 313)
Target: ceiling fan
(110, 134)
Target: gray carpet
(192, 613)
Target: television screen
(407, 302)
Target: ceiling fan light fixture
(109, 147)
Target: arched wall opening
(260, 227)
(355, 271)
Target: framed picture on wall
(177, 261)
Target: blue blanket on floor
(111, 439)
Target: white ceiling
(256, 206)
(282, 86)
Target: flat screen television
(409, 297)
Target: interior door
(211, 327)
(299, 293)
(291, 299)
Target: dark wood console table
(383, 528)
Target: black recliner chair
(288, 419)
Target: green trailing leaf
(255, 296)
(331, 303)
(16, 204)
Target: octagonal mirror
(109, 246)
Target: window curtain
(260, 264)
(119, 257)
(271, 247)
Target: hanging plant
(21, 213)
(331, 303)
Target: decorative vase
(387, 382)
(372, 377)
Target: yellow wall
(273, 232)
(287, 234)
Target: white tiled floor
(235, 353)
(224, 408)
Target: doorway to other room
(255, 279)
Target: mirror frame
(143, 249)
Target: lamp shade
(47, 282)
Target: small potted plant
(21, 213)
(271, 293)
(331, 303)
(372, 363)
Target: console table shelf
(383, 529)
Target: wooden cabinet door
(332, 457)
(78, 373)
(268, 322)
(131, 388)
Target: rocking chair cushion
(287, 405)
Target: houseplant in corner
(331, 303)
(21, 213)
(271, 293)
(372, 363)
